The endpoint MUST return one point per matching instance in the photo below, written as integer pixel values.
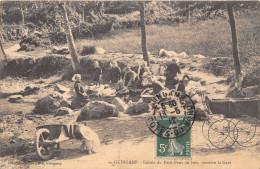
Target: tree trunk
(70, 40)
(2, 47)
(143, 40)
(83, 14)
(22, 13)
(234, 39)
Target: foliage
(86, 50)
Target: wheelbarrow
(47, 136)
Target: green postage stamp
(179, 147)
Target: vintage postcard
(129, 84)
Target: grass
(209, 38)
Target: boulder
(155, 69)
(65, 103)
(108, 92)
(122, 92)
(61, 89)
(15, 99)
(183, 54)
(138, 108)
(76, 104)
(48, 104)
(30, 90)
(60, 50)
(120, 104)
(97, 110)
(165, 53)
(199, 56)
(99, 51)
(25, 136)
(63, 111)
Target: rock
(76, 104)
(138, 108)
(99, 51)
(97, 110)
(199, 56)
(29, 90)
(61, 89)
(65, 103)
(49, 104)
(165, 53)
(120, 104)
(15, 99)
(108, 92)
(122, 92)
(25, 136)
(60, 50)
(155, 69)
(63, 111)
(183, 54)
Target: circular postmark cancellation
(173, 114)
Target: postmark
(169, 104)
(173, 114)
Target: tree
(234, 39)
(72, 48)
(143, 39)
(2, 47)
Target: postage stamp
(173, 147)
(171, 120)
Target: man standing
(171, 74)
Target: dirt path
(12, 52)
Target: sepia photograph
(129, 84)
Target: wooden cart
(47, 136)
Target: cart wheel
(247, 132)
(43, 152)
(219, 134)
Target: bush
(86, 50)
(58, 37)
(90, 30)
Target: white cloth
(91, 139)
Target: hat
(176, 60)
(76, 77)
